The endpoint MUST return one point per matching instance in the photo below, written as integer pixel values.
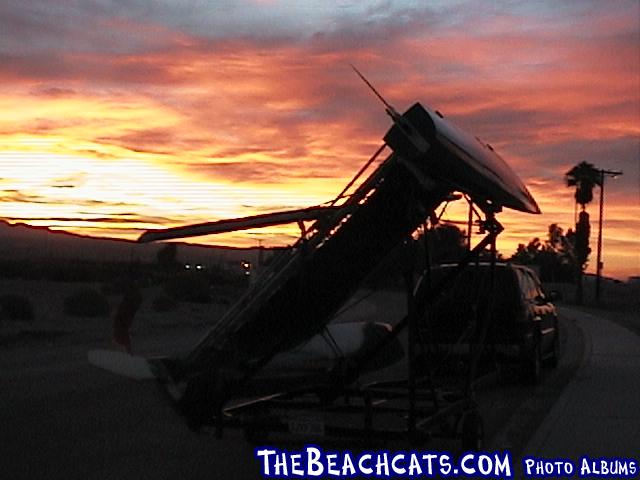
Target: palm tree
(584, 177)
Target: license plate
(306, 426)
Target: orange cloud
(192, 127)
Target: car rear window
(470, 296)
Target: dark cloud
(514, 122)
(97, 26)
(69, 181)
(264, 93)
(270, 208)
(53, 92)
(16, 196)
(94, 153)
(616, 153)
(111, 219)
(10, 196)
(144, 141)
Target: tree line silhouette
(563, 257)
(560, 257)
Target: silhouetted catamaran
(296, 297)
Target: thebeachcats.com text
(314, 462)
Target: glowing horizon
(112, 122)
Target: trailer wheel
(472, 432)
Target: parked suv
(522, 326)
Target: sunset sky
(118, 116)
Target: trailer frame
(432, 406)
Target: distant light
(187, 266)
(246, 266)
(198, 267)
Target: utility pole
(599, 265)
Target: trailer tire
(472, 432)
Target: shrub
(86, 302)
(16, 307)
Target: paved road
(63, 419)
(598, 414)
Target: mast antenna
(388, 108)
